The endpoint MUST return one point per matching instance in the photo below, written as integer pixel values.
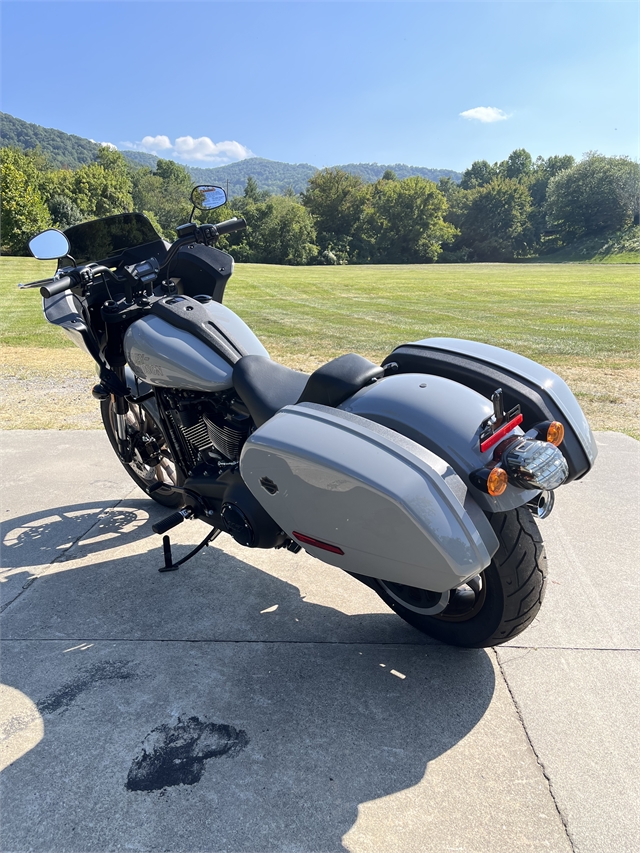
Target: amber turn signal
(497, 481)
(555, 433)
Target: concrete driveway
(255, 702)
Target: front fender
(443, 416)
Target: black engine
(210, 431)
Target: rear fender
(443, 416)
(541, 394)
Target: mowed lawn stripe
(543, 311)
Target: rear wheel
(491, 608)
(152, 461)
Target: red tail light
(499, 434)
(309, 540)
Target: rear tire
(145, 433)
(497, 605)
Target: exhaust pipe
(543, 504)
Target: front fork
(120, 409)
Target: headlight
(535, 464)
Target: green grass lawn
(580, 320)
(555, 314)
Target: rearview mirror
(208, 197)
(48, 245)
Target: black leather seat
(337, 380)
(266, 386)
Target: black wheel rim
(466, 601)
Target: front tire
(494, 607)
(152, 460)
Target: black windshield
(106, 239)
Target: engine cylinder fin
(198, 435)
(225, 439)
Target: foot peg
(172, 520)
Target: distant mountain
(275, 177)
(68, 150)
(373, 172)
(141, 158)
(270, 175)
(63, 149)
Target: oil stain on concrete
(176, 754)
(61, 699)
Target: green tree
(337, 201)
(479, 174)
(146, 189)
(406, 223)
(98, 192)
(64, 212)
(174, 175)
(24, 212)
(598, 194)
(542, 172)
(164, 193)
(555, 164)
(518, 165)
(494, 221)
(253, 193)
(280, 231)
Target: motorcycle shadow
(269, 730)
(32, 542)
(39, 538)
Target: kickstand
(169, 565)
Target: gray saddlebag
(377, 503)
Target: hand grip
(229, 225)
(58, 285)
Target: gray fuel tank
(168, 357)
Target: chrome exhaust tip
(543, 503)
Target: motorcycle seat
(265, 386)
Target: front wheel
(491, 608)
(152, 461)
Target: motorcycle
(422, 477)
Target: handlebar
(207, 234)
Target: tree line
(498, 212)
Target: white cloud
(485, 114)
(203, 149)
(106, 144)
(153, 144)
(190, 150)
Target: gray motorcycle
(422, 477)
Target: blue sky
(329, 82)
